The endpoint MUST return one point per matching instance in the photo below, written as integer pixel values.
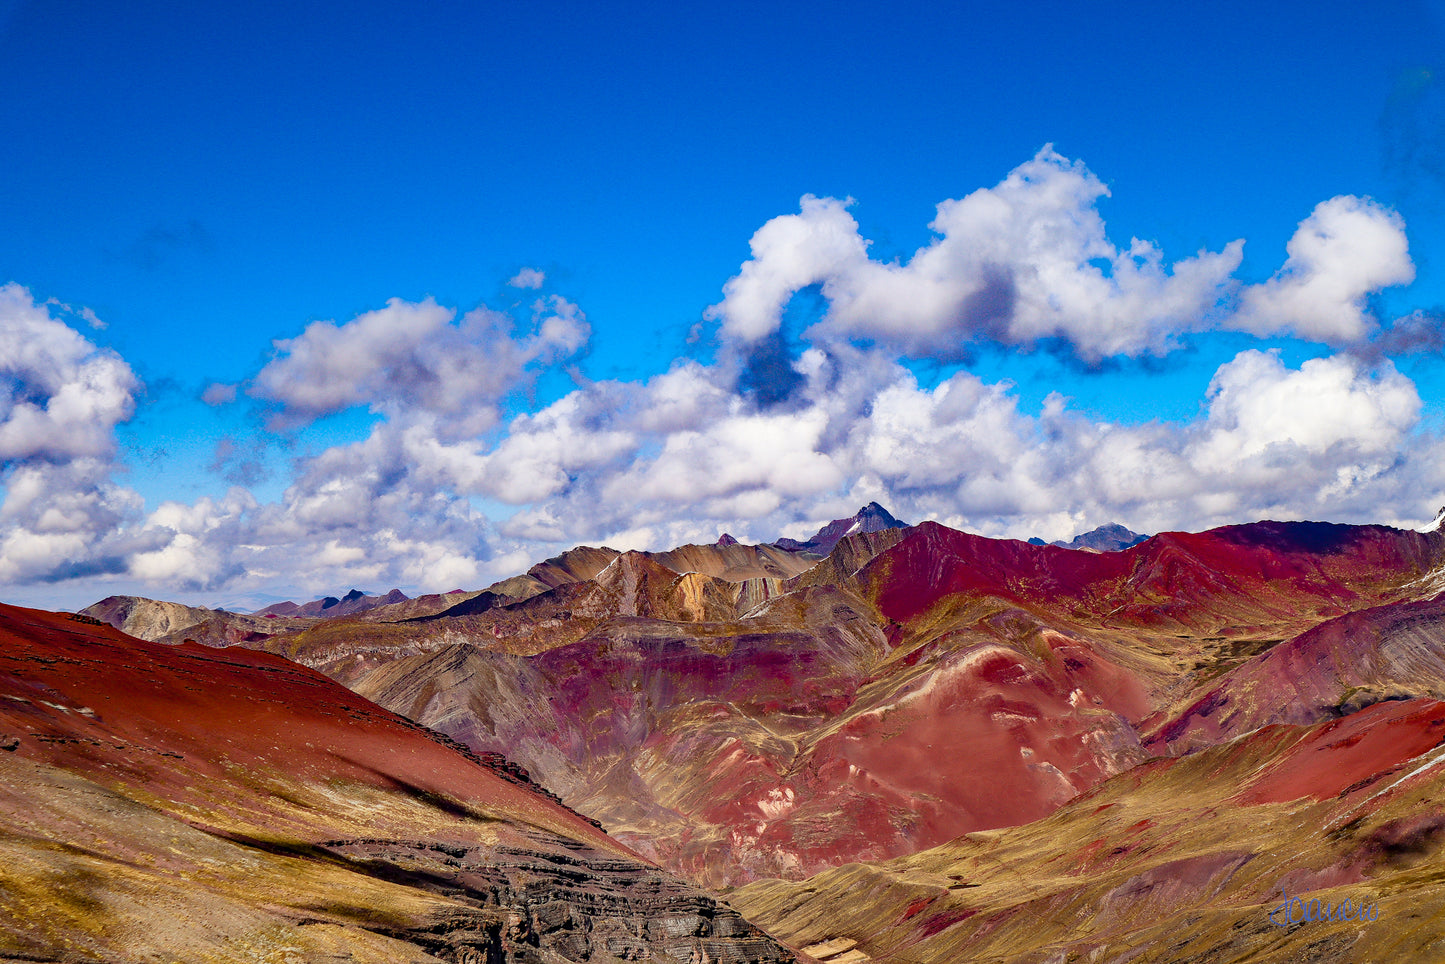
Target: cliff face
(189, 803)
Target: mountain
(733, 725)
(739, 713)
(871, 518)
(155, 619)
(354, 601)
(188, 803)
(1110, 537)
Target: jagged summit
(726, 539)
(1438, 524)
(871, 518)
(1110, 537)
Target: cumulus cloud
(64, 520)
(683, 455)
(384, 511)
(1028, 261)
(1329, 436)
(1017, 263)
(1256, 404)
(543, 452)
(415, 357)
(187, 537)
(60, 396)
(1347, 249)
(391, 509)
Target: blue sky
(209, 182)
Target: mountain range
(923, 746)
(354, 601)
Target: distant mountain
(353, 602)
(739, 713)
(871, 518)
(169, 622)
(1110, 537)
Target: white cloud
(687, 453)
(60, 396)
(373, 514)
(789, 253)
(542, 451)
(1347, 249)
(413, 357)
(65, 519)
(1256, 404)
(195, 550)
(527, 278)
(1015, 263)
(1029, 260)
(1315, 441)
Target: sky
(299, 298)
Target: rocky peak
(871, 518)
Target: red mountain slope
(1178, 861)
(187, 802)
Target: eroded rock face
(572, 901)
